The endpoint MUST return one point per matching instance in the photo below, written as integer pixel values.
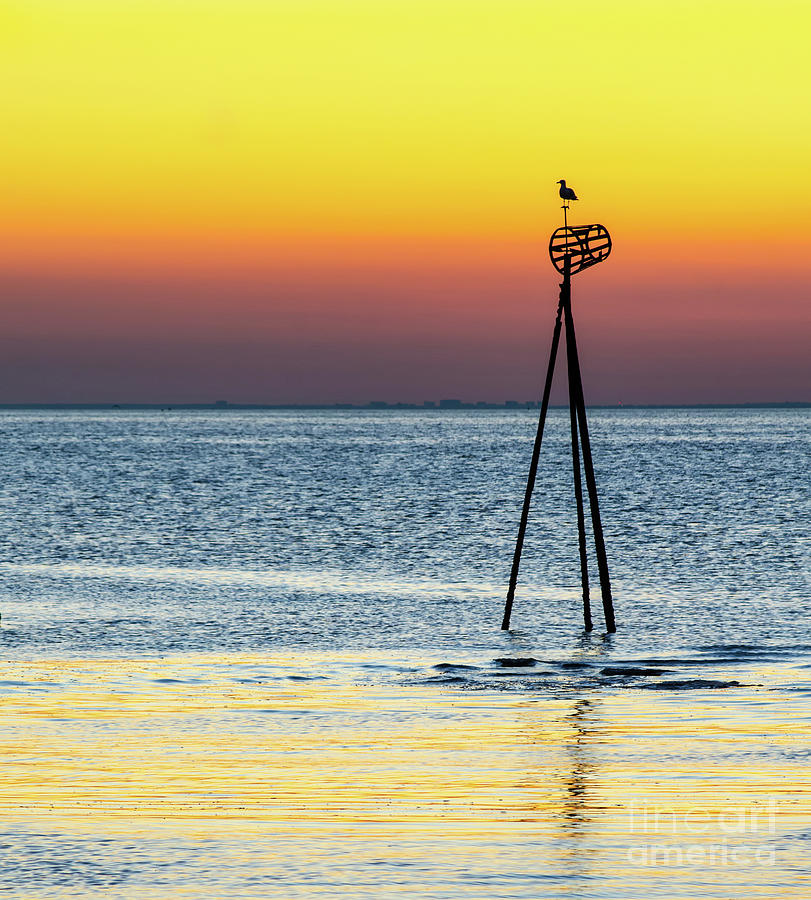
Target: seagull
(566, 193)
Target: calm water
(258, 654)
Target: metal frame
(571, 250)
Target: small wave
(756, 652)
(690, 684)
(453, 667)
(774, 648)
(669, 662)
(631, 670)
(444, 679)
(730, 647)
(516, 662)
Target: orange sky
(346, 200)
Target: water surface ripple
(257, 654)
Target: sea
(258, 654)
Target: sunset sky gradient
(347, 200)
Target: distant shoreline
(440, 406)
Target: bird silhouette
(566, 193)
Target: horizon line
(428, 405)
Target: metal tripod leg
(578, 493)
(533, 470)
(576, 386)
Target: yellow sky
(277, 119)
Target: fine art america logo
(697, 836)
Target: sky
(321, 201)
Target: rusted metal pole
(576, 387)
(533, 470)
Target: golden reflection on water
(293, 764)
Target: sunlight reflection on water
(290, 579)
(257, 654)
(279, 776)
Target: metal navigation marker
(571, 250)
(585, 245)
